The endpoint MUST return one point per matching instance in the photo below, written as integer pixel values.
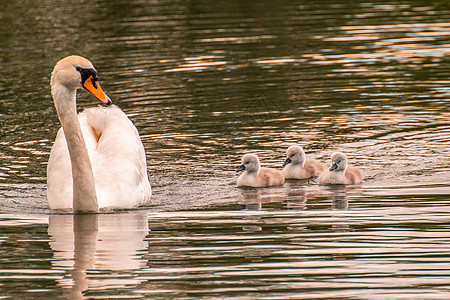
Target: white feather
(117, 157)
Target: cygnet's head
(339, 161)
(249, 163)
(295, 155)
(74, 72)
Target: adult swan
(98, 160)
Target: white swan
(98, 159)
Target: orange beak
(94, 88)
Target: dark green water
(205, 83)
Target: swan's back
(271, 177)
(354, 175)
(117, 157)
(312, 168)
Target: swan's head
(339, 161)
(295, 155)
(74, 72)
(249, 163)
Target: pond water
(205, 83)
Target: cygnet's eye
(339, 161)
(247, 163)
(292, 155)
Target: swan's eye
(86, 74)
(247, 163)
(292, 155)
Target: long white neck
(84, 195)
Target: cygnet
(341, 172)
(297, 166)
(256, 176)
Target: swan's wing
(59, 169)
(117, 156)
(59, 175)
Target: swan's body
(98, 159)
(341, 172)
(298, 166)
(256, 176)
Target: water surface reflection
(97, 251)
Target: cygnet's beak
(334, 167)
(241, 168)
(287, 161)
(94, 88)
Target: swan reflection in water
(297, 197)
(88, 246)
